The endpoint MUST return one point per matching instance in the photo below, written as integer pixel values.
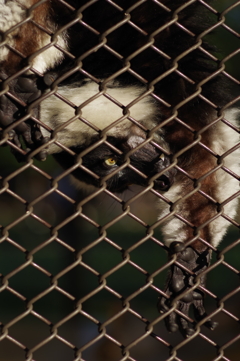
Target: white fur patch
(51, 56)
(101, 112)
(173, 229)
(225, 139)
(11, 14)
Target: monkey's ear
(145, 152)
(135, 137)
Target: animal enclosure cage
(82, 272)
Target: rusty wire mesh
(80, 282)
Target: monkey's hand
(178, 282)
(13, 107)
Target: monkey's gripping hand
(179, 281)
(13, 107)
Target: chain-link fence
(82, 271)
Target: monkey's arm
(197, 223)
(189, 262)
(24, 53)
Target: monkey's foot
(180, 281)
(22, 90)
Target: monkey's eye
(110, 162)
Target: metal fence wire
(82, 271)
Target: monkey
(130, 93)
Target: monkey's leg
(180, 280)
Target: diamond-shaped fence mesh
(82, 271)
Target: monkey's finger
(11, 134)
(171, 322)
(200, 313)
(6, 114)
(42, 155)
(162, 305)
(49, 78)
(185, 327)
(26, 84)
(17, 154)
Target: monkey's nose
(163, 183)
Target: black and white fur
(138, 100)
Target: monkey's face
(109, 162)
